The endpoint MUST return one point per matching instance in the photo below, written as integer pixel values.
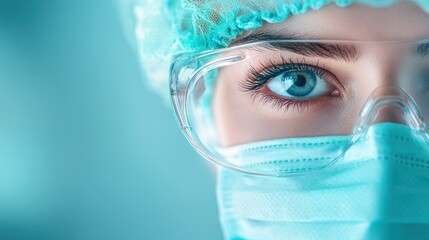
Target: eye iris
(299, 84)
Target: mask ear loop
(389, 97)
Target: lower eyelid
(283, 104)
(272, 102)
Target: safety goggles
(294, 89)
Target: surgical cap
(166, 27)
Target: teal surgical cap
(165, 27)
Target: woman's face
(341, 78)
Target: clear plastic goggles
(295, 89)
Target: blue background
(86, 150)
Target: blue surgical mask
(379, 189)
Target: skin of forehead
(402, 21)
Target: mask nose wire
(389, 104)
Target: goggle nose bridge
(394, 98)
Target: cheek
(237, 120)
(229, 109)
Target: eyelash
(256, 80)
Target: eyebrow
(313, 49)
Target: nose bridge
(388, 101)
(390, 104)
(383, 64)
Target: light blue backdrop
(86, 151)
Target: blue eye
(298, 84)
(290, 85)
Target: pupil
(300, 80)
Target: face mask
(379, 189)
